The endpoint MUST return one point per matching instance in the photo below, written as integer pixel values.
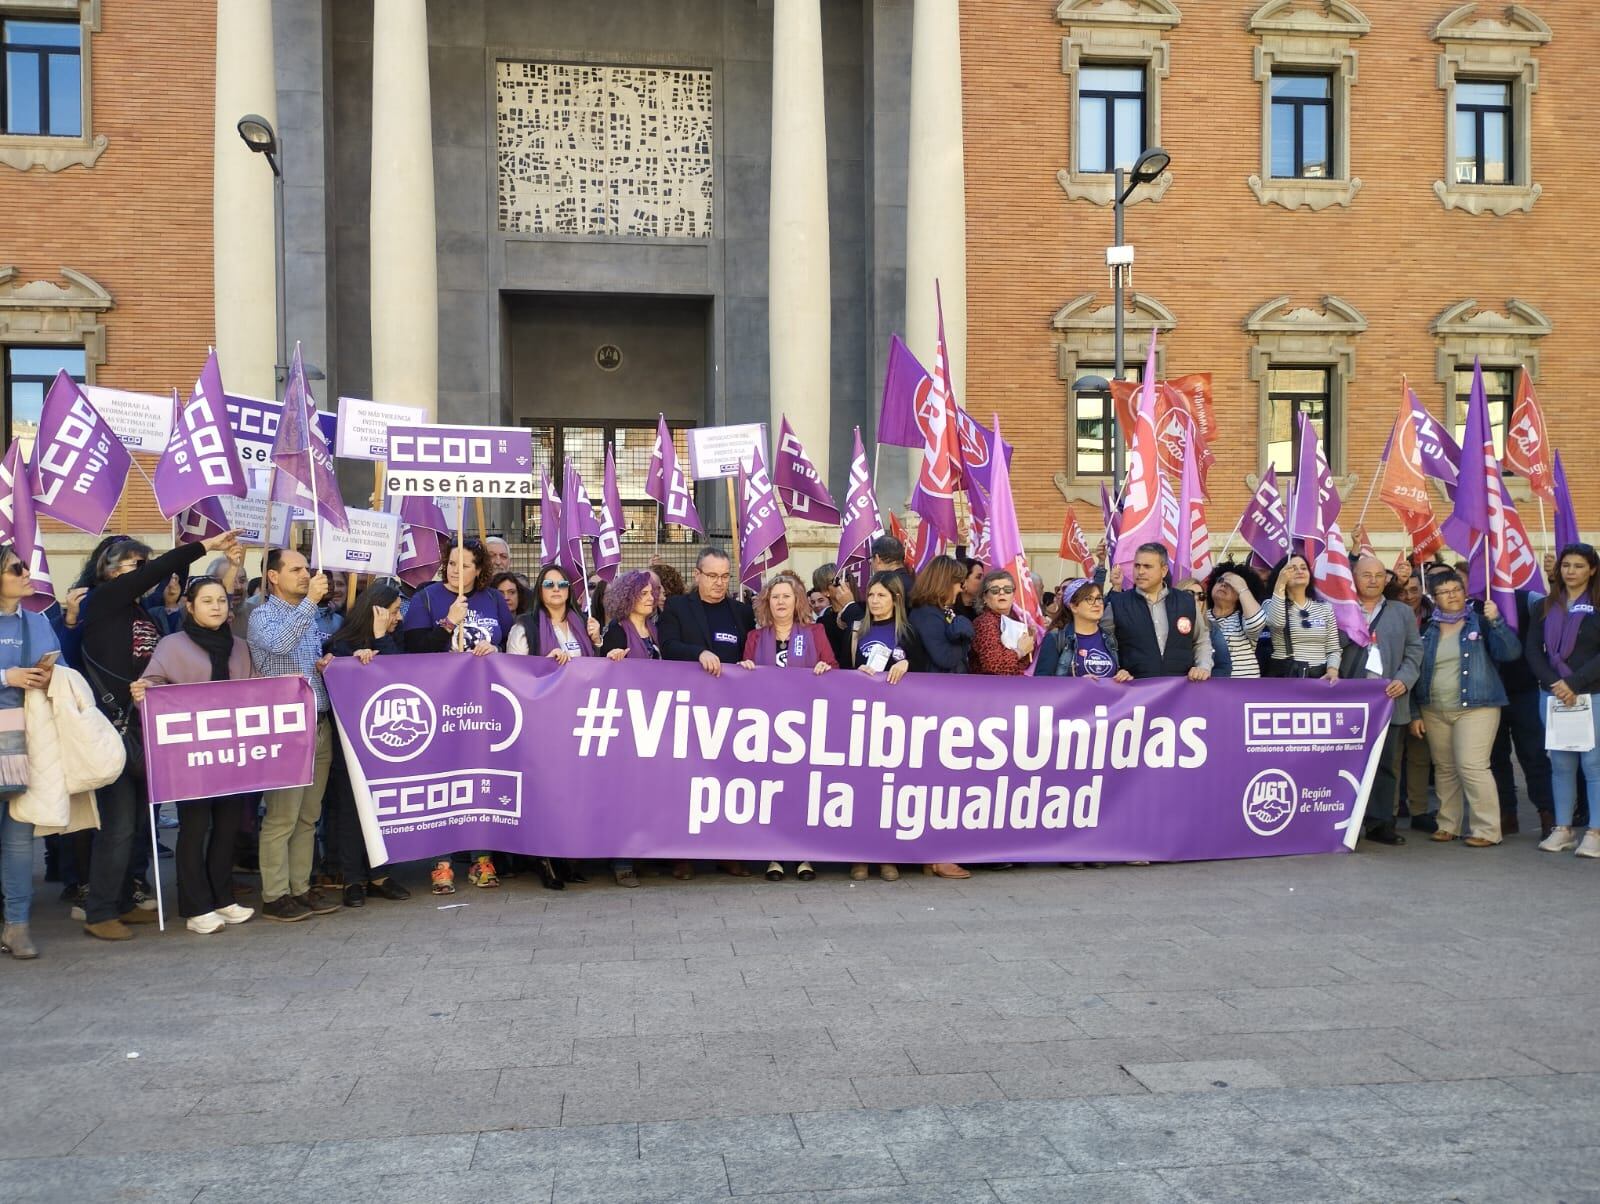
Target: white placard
(369, 546)
(1570, 729)
(718, 451)
(364, 426)
(143, 421)
(248, 516)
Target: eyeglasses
(717, 576)
(1091, 600)
(1200, 594)
(1001, 589)
(556, 584)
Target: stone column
(936, 198)
(244, 255)
(403, 246)
(799, 312)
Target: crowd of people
(1468, 693)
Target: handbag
(123, 719)
(1291, 665)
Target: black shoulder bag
(124, 719)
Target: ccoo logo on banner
(260, 733)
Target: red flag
(897, 529)
(1363, 542)
(1074, 546)
(1527, 446)
(1337, 585)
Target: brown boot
(946, 869)
(109, 930)
(137, 915)
(1508, 823)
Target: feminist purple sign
(460, 461)
(624, 759)
(228, 737)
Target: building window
(1291, 392)
(28, 373)
(43, 80)
(1111, 126)
(1483, 132)
(1092, 419)
(1500, 390)
(1302, 126)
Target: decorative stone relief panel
(599, 150)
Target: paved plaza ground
(1402, 1024)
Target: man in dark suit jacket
(707, 625)
(1157, 631)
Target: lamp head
(258, 134)
(1150, 165)
(1091, 384)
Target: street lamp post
(261, 138)
(1119, 258)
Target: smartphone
(48, 660)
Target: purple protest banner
(232, 737)
(254, 423)
(79, 465)
(460, 461)
(624, 759)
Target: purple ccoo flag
(1566, 516)
(80, 467)
(1439, 453)
(608, 544)
(860, 519)
(1109, 517)
(301, 451)
(577, 524)
(1264, 526)
(1316, 497)
(1469, 521)
(19, 526)
(201, 460)
(763, 541)
(202, 521)
(799, 486)
(667, 484)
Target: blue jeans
(1564, 774)
(16, 865)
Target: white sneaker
(1591, 844)
(77, 913)
(210, 922)
(1559, 840)
(233, 913)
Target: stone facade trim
(44, 313)
(25, 151)
(1465, 332)
(1497, 48)
(1315, 38)
(1115, 31)
(1304, 336)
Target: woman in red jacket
(990, 653)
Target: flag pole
(1543, 527)
(316, 511)
(733, 530)
(266, 525)
(1237, 527)
(1371, 488)
(458, 636)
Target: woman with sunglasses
(118, 639)
(552, 627)
(1076, 645)
(1237, 620)
(1305, 638)
(990, 654)
(203, 649)
(26, 639)
(373, 629)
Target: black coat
(685, 633)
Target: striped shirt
(1310, 630)
(1241, 635)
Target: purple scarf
(576, 624)
(637, 648)
(1560, 633)
(1442, 616)
(802, 647)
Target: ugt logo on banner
(261, 733)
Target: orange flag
(1074, 546)
(1527, 445)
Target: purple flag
(257, 733)
(549, 521)
(201, 459)
(1439, 453)
(1566, 516)
(1193, 551)
(860, 524)
(1316, 497)
(577, 524)
(1005, 540)
(202, 521)
(597, 774)
(608, 544)
(80, 467)
(419, 554)
(301, 452)
(420, 510)
(977, 452)
(799, 486)
(1469, 521)
(939, 474)
(667, 484)
(763, 541)
(19, 526)
(1265, 525)
(1108, 516)
(897, 415)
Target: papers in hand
(878, 658)
(1012, 631)
(1570, 728)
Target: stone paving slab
(1346, 1028)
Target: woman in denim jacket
(1458, 697)
(1076, 646)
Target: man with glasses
(707, 625)
(1157, 629)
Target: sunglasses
(17, 569)
(1305, 618)
(563, 584)
(1001, 589)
